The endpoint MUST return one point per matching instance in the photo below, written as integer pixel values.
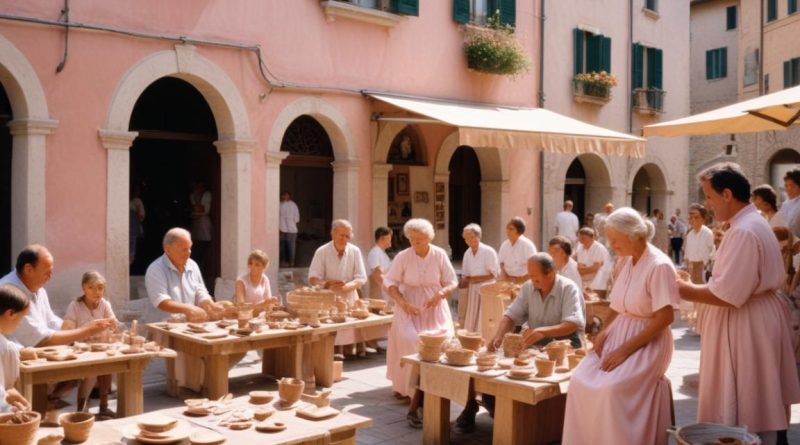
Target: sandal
(106, 414)
(413, 421)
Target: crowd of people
(736, 291)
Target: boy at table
(550, 306)
(14, 306)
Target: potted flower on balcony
(494, 49)
(595, 85)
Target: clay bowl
(76, 426)
(206, 437)
(270, 427)
(470, 340)
(522, 362)
(289, 390)
(520, 373)
(19, 427)
(429, 353)
(573, 360)
(486, 359)
(97, 347)
(157, 424)
(512, 345)
(433, 338)
(544, 368)
(459, 357)
(263, 414)
(556, 354)
(360, 313)
(260, 397)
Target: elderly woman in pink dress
(747, 371)
(419, 281)
(623, 378)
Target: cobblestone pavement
(366, 391)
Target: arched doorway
(464, 196)
(781, 162)
(649, 190)
(173, 151)
(587, 184)
(575, 188)
(5, 182)
(309, 162)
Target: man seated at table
(338, 266)
(175, 285)
(41, 327)
(548, 307)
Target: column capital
(28, 127)
(230, 146)
(274, 158)
(347, 165)
(117, 140)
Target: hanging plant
(494, 49)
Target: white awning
(510, 127)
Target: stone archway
(29, 129)
(649, 189)
(234, 147)
(494, 190)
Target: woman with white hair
(419, 282)
(623, 378)
(479, 267)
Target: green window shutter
(638, 69)
(461, 11)
(792, 6)
(578, 50)
(605, 54)
(787, 74)
(593, 53)
(731, 14)
(508, 12)
(654, 67)
(406, 7)
(772, 10)
(709, 64)
(723, 62)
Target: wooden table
(35, 375)
(525, 411)
(305, 353)
(340, 429)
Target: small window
(791, 73)
(717, 63)
(766, 84)
(651, 5)
(479, 12)
(792, 7)
(731, 17)
(592, 52)
(648, 67)
(772, 10)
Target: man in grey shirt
(550, 306)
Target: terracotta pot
(433, 338)
(470, 340)
(289, 390)
(557, 354)
(459, 356)
(19, 433)
(544, 368)
(573, 360)
(512, 344)
(76, 426)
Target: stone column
(118, 170)
(380, 193)
(345, 195)
(272, 190)
(235, 204)
(494, 211)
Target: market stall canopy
(481, 125)
(776, 111)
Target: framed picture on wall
(402, 184)
(420, 196)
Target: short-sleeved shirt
(9, 354)
(790, 210)
(514, 257)
(563, 304)
(567, 224)
(377, 259)
(327, 265)
(288, 216)
(164, 282)
(80, 314)
(483, 262)
(699, 244)
(40, 323)
(255, 294)
(597, 253)
(570, 271)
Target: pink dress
(418, 279)
(747, 368)
(630, 404)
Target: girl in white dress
(253, 286)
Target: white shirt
(514, 257)
(570, 271)
(777, 220)
(789, 210)
(567, 225)
(9, 354)
(699, 245)
(289, 216)
(378, 259)
(482, 262)
(164, 282)
(40, 323)
(595, 254)
(326, 265)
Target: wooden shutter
(731, 14)
(406, 7)
(638, 68)
(593, 44)
(508, 12)
(578, 50)
(772, 10)
(461, 11)
(723, 62)
(709, 64)
(605, 54)
(792, 7)
(787, 74)
(654, 68)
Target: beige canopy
(481, 125)
(776, 111)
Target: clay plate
(206, 437)
(315, 413)
(61, 357)
(270, 427)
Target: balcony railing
(592, 93)
(648, 100)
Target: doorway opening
(575, 189)
(465, 197)
(649, 190)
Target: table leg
(216, 375)
(436, 420)
(283, 362)
(517, 422)
(130, 399)
(344, 437)
(322, 358)
(36, 394)
(172, 382)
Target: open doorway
(173, 152)
(575, 189)
(465, 196)
(648, 191)
(5, 183)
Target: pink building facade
(118, 114)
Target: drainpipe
(761, 51)
(540, 104)
(630, 68)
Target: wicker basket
(289, 390)
(712, 433)
(470, 340)
(459, 357)
(433, 338)
(76, 426)
(19, 433)
(310, 298)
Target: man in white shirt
(790, 209)
(289, 216)
(699, 244)
(514, 252)
(378, 263)
(593, 262)
(567, 223)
